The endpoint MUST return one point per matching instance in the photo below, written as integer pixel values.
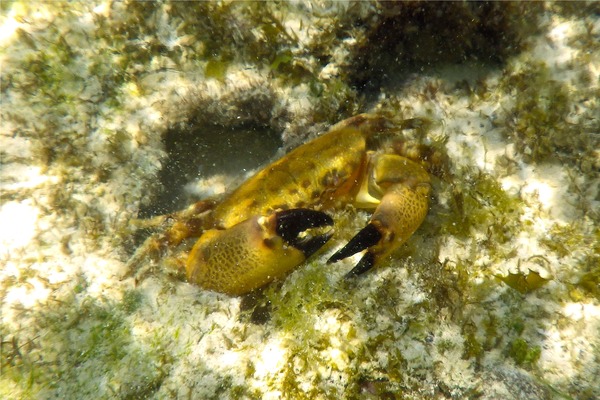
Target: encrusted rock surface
(111, 109)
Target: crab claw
(367, 237)
(256, 251)
(401, 211)
(291, 223)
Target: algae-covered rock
(115, 110)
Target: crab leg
(180, 225)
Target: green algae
(523, 353)
(540, 111)
(542, 122)
(565, 240)
(216, 69)
(246, 31)
(524, 283)
(472, 347)
(311, 292)
(590, 281)
(296, 312)
(479, 203)
(132, 300)
(284, 57)
(89, 337)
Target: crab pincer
(405, 187)
(256, 251)
(291, 223)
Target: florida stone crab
(279, 217)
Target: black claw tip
(310, 246)
(367, 237)
(291, 222)
(365, 264)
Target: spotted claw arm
(256, 251)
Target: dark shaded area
(255, 308)
(408, 37)
(200, 151)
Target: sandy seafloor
(112, 108)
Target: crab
(279, 217)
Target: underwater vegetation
(105, 345)
(117, 110)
